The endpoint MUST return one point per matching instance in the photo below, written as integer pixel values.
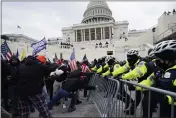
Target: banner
(39, 46)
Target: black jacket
(4, 73)
(31, 75)
(73, 81)
(14, 71)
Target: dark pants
(5, 99)
(124, 96)
(13, 97)
(49, 87)
(165, 108)
(60, 94)
(137, 100)
(88, 77)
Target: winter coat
(31, 75)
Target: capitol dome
(97, 11)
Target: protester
(14, 70)
(4, 84)
(29, 87)
(69, 88)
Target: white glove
(52, 73)
(59, 72)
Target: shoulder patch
(167, 75)
(141, 63)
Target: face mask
(132, 61)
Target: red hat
(42, 59)
(59, 62)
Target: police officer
(144, 69)
(111, 66)
(165, 79)
(97, 65)
(104, 66)
(133, 59)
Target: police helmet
(165, 50)
(133, 52)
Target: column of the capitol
(101, 33)
(109, 32)
(76, 35)
(95, 34)
(81, 34)
(84, 34)
(89, 35)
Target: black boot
(58, 103)
(78, 102)
(71, 109)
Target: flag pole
(45, 48)
(17, 30)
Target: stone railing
(166, 33)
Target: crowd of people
(158, 69)
(36, 83)
(169, 13)
(66, 45)
(100, 45)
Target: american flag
(85, 68)
(5, 51)
(72, 63)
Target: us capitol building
(98, 24)
(99, 34)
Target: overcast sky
(39, 19)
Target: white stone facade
(101, 27)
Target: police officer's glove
(158, 73)
(119, 77)
(106, 77)
(131, 87)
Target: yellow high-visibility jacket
(108, 71)
(123, 69)
(94, 68)
(100, 70)
(137, 72)
(143, 69)
(148, 82)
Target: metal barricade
(148, 102)
(105, 95)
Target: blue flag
(85, 58)
(39, 46)
(17, 54)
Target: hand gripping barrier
(147, 103)
(105, 95)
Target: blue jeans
(59, 94)
(45, 93)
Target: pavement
(85, 109)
